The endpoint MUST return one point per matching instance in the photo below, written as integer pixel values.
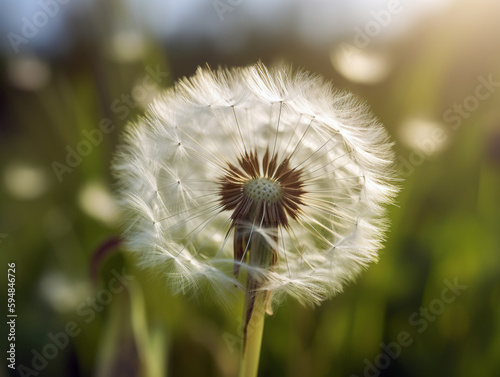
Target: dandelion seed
(270, 173)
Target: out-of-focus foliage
(436, 87)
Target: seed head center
(263, 189)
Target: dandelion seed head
(270, 172)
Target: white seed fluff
(171, 163)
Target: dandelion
(265, 180)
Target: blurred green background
(73, 73)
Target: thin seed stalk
(262, 255)
(252, 335)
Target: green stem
(249, 357)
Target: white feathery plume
(269, 173)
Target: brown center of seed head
(265, 193)
(264, 189)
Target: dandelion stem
(249, 357)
